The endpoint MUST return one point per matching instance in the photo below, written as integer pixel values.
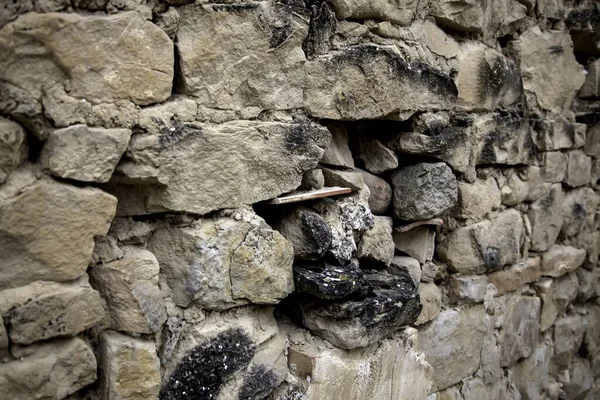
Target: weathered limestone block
(53, 370)
(201, 167)
(380, 197)
(418, 242)
(512, 278)
(559, 260)
(130, 288)
(514, 186)
(313, 179)
(531, 375)
(251, 54)
(469, 289)
(230, 259)
(579, 169)
(129, 367)
(338, 153)
(43, 310)
(368, 82)
(486, 79)
(579, 211)
(402, 265)
(581, 380)
(377, 243)
(398, 12)
(502, 388)
(468, 16)
(519, 333)
(558, 134)
(84, 154)
(237, 353)
(556, 295)
(424, 190)
(477, 199)
(545, 216)
(549, 68)
(591, 87)
(554, 166)
(568, 336)
(343, 178)
(131, 59)
(502, 139)
(431, 299)
(452, 344)
(485, 246)
(47, 228)
(592, 141)
(377, 157)
(307, 232)
(13, 147)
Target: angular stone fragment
(343, 178)
(579, 169)
(477, 199)
(338, 153)
(545, 216)
(402, 265)
(568, 336)
(52, 370)
(470, 289)
(559, 260)
(230, 259)
(201, 167)
(591, 87)
(431, 299)
(130, 288)
(452, 344)
(307, 231)
(377, 244)
(531, 375)
(486, 79)
(58, 245)
(581, 380)
(418, 243)
(502, 139)
(368, 82)
(84, 154)
(468, 16)
(129, 367)
(556, 295)
(13, 147)
(546, 57)
(558, 134)
(512, 278)
(131, 59)
(312, 179)
(252, 54)
(329, 281)
(43, 310)
(554, 166)
(423, 190)
(380, 196)
(485, 246)
(520, 330)
(579, 210)
(376, 156)
(592, 142)
(399, 12)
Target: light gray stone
(520, 329)
(592, 141)
(380, 197)
(338, 153)
(568, 336)
(579, 169)
(477, 199)
(343, 178)
(418, 243)
(399, 12)
(554, 166)
(581, 379)
(469, 289)
(377, 243)
(591, 87)
(431, 299)
(13, 147)
(531, 374)
(559, 260)
(579, 211)
(545, 216)
(513, 277)
(376, 156)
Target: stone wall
(142, 143)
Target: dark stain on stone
(178, 132)
(497, 79)
(584, 19)
(201, 374)
(322, 27)
(238, 7)
(325, 281)
(258, 383)
(556, 49)
(317, 231)
(579, 211)
(492, 258)
(298, 139)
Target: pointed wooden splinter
(314, 194)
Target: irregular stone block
(568, 336)
(307, 231)
(502, 139)
(376, 156)
(248, 50)
(520, 330)
(380, 197)
(542, 67)
(312, 179)
(531, 375)
(559, 260)
(129, 367)
(418, 242)
(485, 246)
(431, 299)
(369, 82)
(59, 244)
(343, 178)
(52, 370)
(467, 17)
(554, 166)
(230, 259)
(399, 12)
(556, 295)
(4, 350)
(402, 265)
(13, 147)
(558, 134)
(377, 243)
(452, 344)
(477, 199)
(591, 86)
(130, 288)
(579, 169)
(197, 166)
(43, 310)
(512, 278)
(329, 281)
(545, 216)
(581, 380)
(131, 59)
(84, 154)
(338, 153)
(470, 289)
(579, 210)
(592, 141)
(424, 190)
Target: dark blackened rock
(329, 282)
(321, 29)
(503, 139)
(258, 383)
(308, 232)
(393, 302)
(203, 371)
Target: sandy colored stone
(531, 375)
(559, 260)
(377, 244)
(380, 196)
(431, 299)
(13, 147)
(520, 330)
(579, 169)
(399, 12)
(47, 228)
(558, 133)
(418, 242)
(343, 178)
(554, 166)
(470, 289)
(377, 157)
(512, 278)
(545, 216)
(338, 153)
(478, 198)
(404, 264)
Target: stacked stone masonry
(141, 144)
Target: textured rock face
(520, 330)
(545, 218)
(186, 161)
(13, 147)
(377, 244)
(308, 233)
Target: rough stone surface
(308, 233)
(470, 289)
(377, 244)
(401, 265)
(554, 166)
(545, 217)
(66, 152)
(338, 153)
(401, 12)
(579, 169)
(531, 374)
(558, 134)
(343, 178)
(418, 242)
(431, 298)
(376, 156)
(59, 245)
(380, 197)
(512, 278)
(520, 331)
(559, 260)
(329, 281)
(13, 147)
(477, 199)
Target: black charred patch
(492, 258)
(585, 19)
(237, 8)
(258, 383)
(322, 27)
(280, 34)
(201, 373)
(178, 132)
(578, 211)
(498, 78)
(317, 231)
(298, 139)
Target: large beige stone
(202, 167)
(558, 134)
(512, 278)
(47, 228)
(418, 242)
(519, 334)
(377, 243)
(568, 336)
(43, 310)
(53, 370)
(103, 58)
(531, 375)
(477, 199)
(452, 344)
(129, 286)
(230, 259)
(338, 153)
(13, 147)
(251, 54)
(549, 68)
(129, 367)
(579, 169)
(559, 260)
(431, 299)
(377, 157)
(545, 216)
(401, 12)
(84, 154)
